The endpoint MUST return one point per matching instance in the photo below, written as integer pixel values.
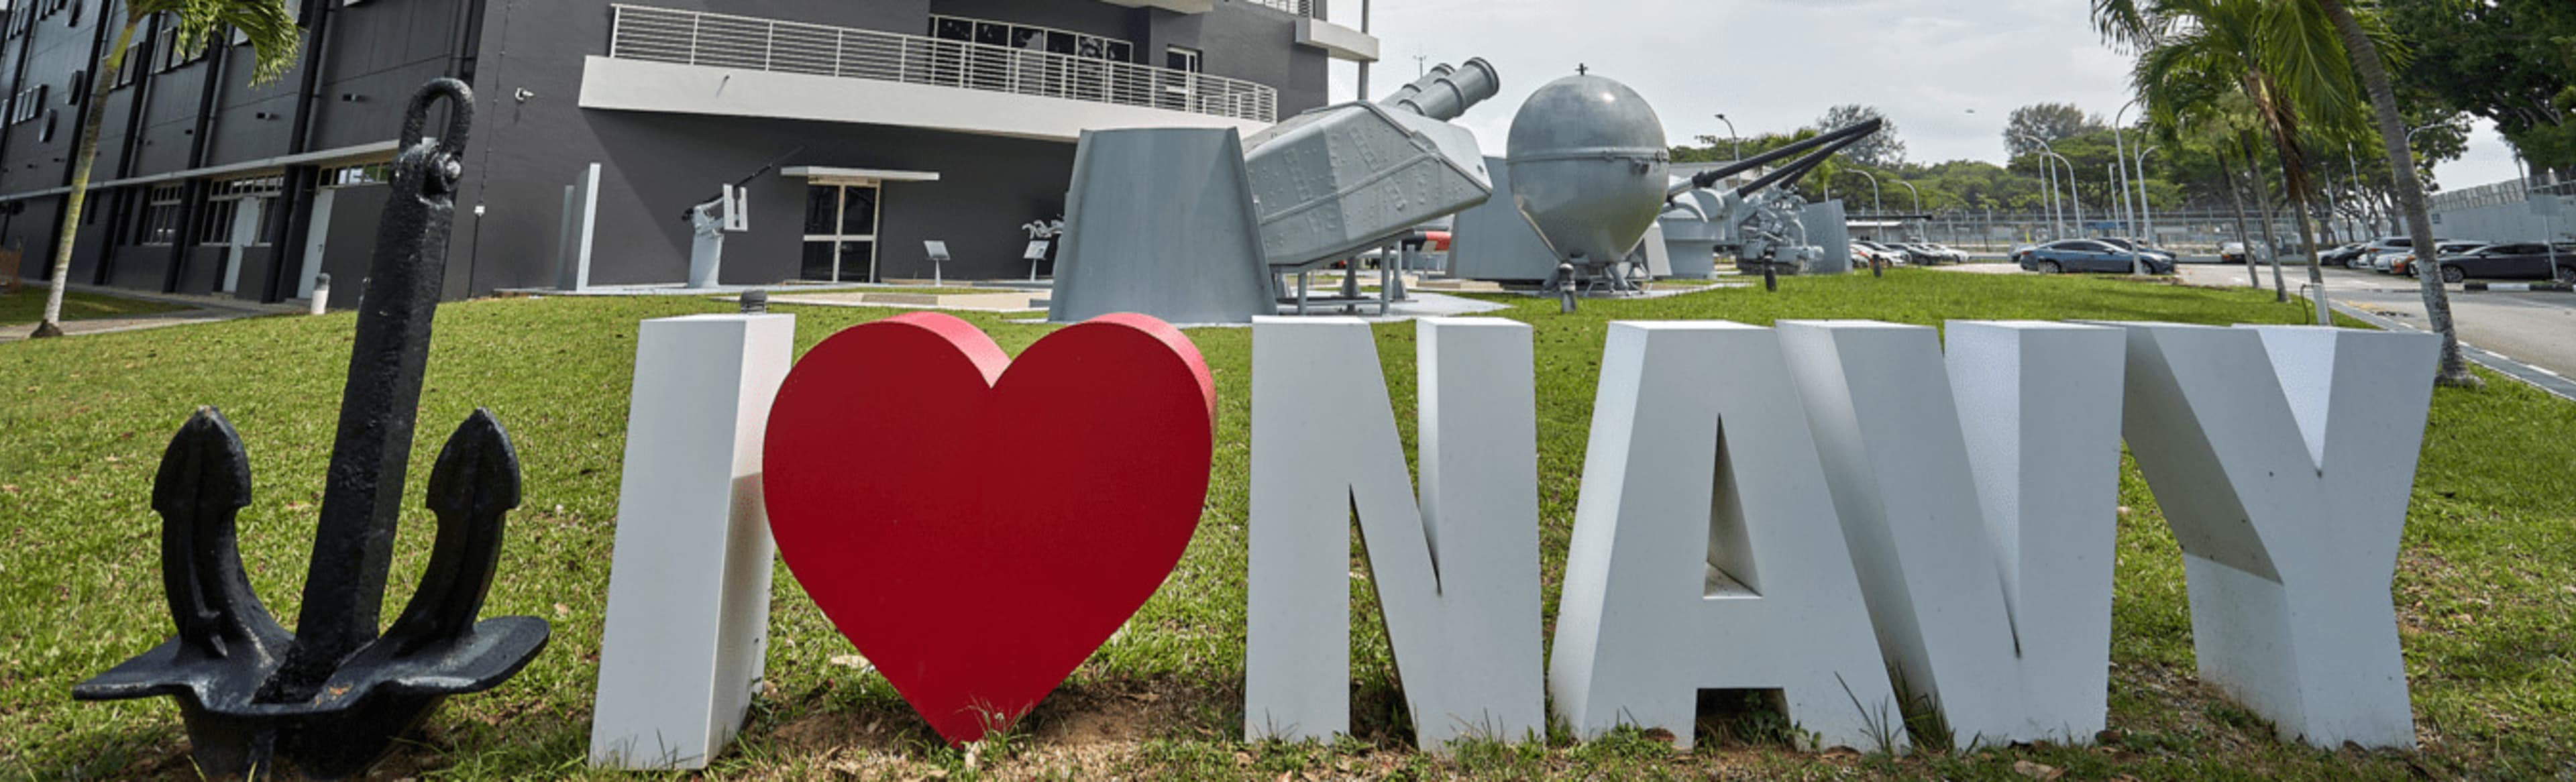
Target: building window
(249, 187)
(27, 105)
(1184, 59)
(169, 55)
(1031, 38)
(359, 174)
(160, 223)
(215, 222)
(131, 69)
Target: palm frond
(267, 25)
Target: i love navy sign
(1812, 507)
(1824, 509)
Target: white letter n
(1457, 578)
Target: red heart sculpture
(976, 533)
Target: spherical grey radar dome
(1588, 166)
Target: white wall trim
(637, 85)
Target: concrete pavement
(2534, 329)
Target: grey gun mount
(1347, 177)
(1765, 224)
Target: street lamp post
(2048, 172)
(2120, 157)
(1731, 134)
(2121, 206)
(1874, 206)
(1918, 195)
(2146, 213)
(2074, 198)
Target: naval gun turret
(1764, 222)
(1348, 177)
(1195, 225)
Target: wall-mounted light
(351, 97)
(523, 94)
(262, 115)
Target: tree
(2297, 58)
(267, 25)
(2410, 192)
(2051, 122)
(2284, 56)
(1881, 150)
(2510, 61)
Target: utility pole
(1364, 64)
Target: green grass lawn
(28, 306)
(2484, 588)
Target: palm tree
(2357, 40)
(2300, 58)
(267, 25)
(2282, 59)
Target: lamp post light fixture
(2074, 199)
(1874, 206)
(2048, 171)
(1731, 134)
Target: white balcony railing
(725, 41)
(1305, 8)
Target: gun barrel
(1447, 92)
(1790, 174)
(1711, 176)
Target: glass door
(840, 233)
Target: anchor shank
(361, 502)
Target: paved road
(2538, 329)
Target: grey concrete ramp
(1160, 221)
(1494, 241)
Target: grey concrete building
(892, 122)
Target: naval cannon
(1764, 222)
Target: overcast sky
(1948, 72)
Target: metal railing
(726, 41)
(2510, 191)
(1305, 8)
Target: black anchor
(333, 697)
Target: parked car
(2087, 255)
(1902, 252)
(1865, 254)
(1937, 253)
(2385, 261)
(1891, 253)
(2231, 252)
(2342, 256)
(2370, 255)
(2133, 245)
(2405, 264)
(2516, 261)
